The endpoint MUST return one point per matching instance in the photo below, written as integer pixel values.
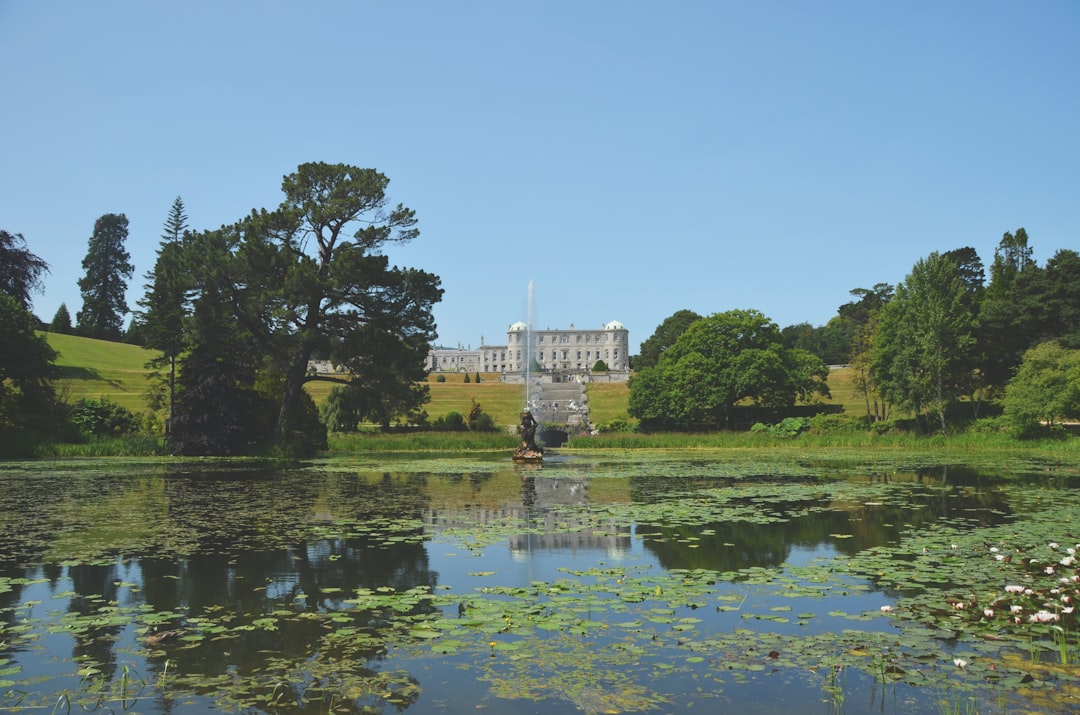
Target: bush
(786, 428)
(104, 418)
(831, 423)
(440, 378)
(454, 422)
(617, 425)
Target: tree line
(944, 344)
(238, 312)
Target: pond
(605, 583)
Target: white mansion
(566, 351)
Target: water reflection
(253, 570)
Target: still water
(600, 584)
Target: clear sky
(631, 158)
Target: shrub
(454, 422)
(600, 366)
(102, 417)
(467, 378)
(618, 425)
(440, 378)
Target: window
(578, 338)
(578, 354)
(541, 338)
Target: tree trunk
(294, 383)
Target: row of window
(588, 355)
(566, 338)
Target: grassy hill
(117, 371)
(99, 368)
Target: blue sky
(630, 158)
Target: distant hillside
(99, 368)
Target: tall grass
(127, 446)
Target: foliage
(786, 428)
(450, 422)
(600, 366)
(101, 417)
(468, 379)
(164, 307)
(830, 342)
(1045, 389)
(218, 411)
(20, 270)
(108, 268)
(664, 337)
(440, 378)
(61, 322)
(718, 362)
(863, 315)
(923, 346)
(26, 367)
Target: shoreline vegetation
(964, 448)
(115, 371)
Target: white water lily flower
(1013, 589)
(1068, 610)
(1054, 544)
(988, 612)
(1016, 609)
(1043, 617)
(886, 609)
(960, 662)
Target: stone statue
(528, 451)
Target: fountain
(528, 451)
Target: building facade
(567, 351)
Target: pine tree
(164, 305)
(108, 268)
(61, 322)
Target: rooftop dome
(614, 325)
(518, 327)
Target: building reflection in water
(545, 526)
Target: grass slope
(99, 368)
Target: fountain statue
(528, 451)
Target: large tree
(922, 351)
(164, 307)
(1045, 389)
(664, 337)
(862, 315)
(20, 270)
(108, 268)
(310, 278)
(716, 363)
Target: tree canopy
(718, 362)
(923, 347)
(310, 279)
(664, 337)
(108, 268)
(20, 270)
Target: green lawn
(99, 368)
